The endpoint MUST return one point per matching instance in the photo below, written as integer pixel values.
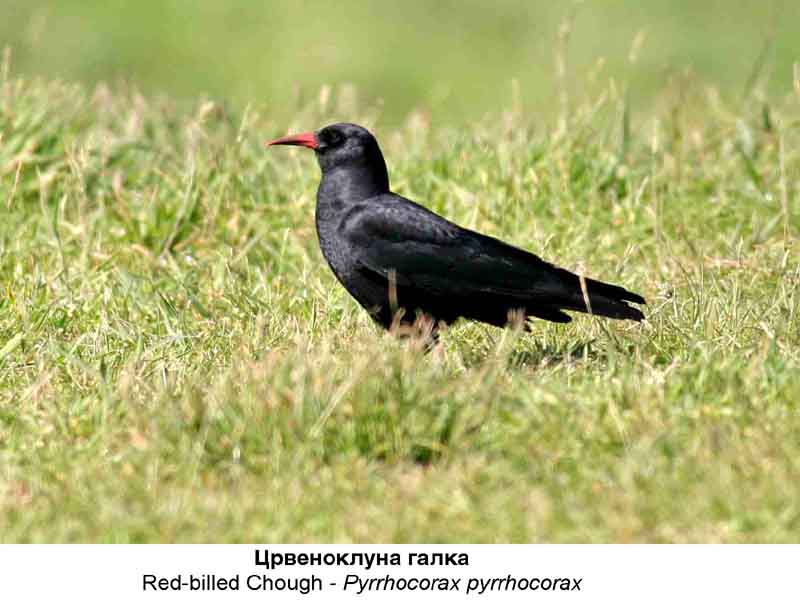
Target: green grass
(177, 363)
(451, 59)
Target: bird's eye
(333, 138)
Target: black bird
(401, 261)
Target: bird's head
(338, 145)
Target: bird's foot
(422, 331)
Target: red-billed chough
(400, 261)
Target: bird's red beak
(309, 140)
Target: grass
(454, 60)
(177, 363)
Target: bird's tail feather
(598, 298)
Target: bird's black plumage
(395, 256)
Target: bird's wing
(391, 237)
(428, 252)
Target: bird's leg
(423, 329)
(427, 331)
(517, 320)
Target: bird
(405, 264)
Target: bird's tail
(595, 297)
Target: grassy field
(177, 363)
(453, 59)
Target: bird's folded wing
(426, 252)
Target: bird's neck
(353, 183)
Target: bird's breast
(332, 243)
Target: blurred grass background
(454, 60)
